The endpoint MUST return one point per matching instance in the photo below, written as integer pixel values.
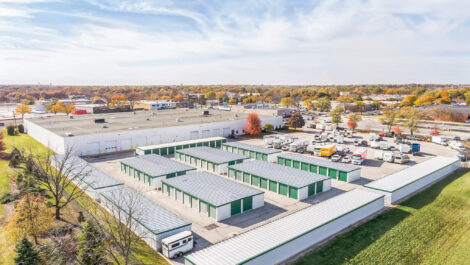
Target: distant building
(75, 101)
(156, 104)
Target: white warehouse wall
(354, 175)
(258, 201)
(223, 212)
(326, 185)
(45, 137)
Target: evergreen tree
(91, 250)
(26, 254)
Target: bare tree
(132, 98)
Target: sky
(276, 42)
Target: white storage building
(406, 182)
(212, 195)
(154, 222)
(94, 134)
(170, 148)
(283, 238)
(211, 159)
(254, 152)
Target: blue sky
(143, 42)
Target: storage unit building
(90, 179)
(338, 171)
(151, 169)
(211, 159)
(153, 221)
(276, 241)
(254, 152)
(290, 182)
(212, 195)
(406, 182)
(170, 148)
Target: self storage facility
(290, 182)
(153, 222)
(211, 159)
(338, 171)
(274, 242)
(254, 152)
(402, 184)
(151, 169)
(212, 195)
(170, 148)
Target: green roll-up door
(246, 177)
(147, 152)
(333, 173)
(239, 175)
(212, 211)
(311, 189)
(231, 173)
(304, 166)
(263, 183)
(313, 169)
(192, 145)
(156, 151)
(293, 193)
(203, 207)
(296, 164)
(172, 175)
(322, 171)
(273, 186)
(288, 162)
(265, 157)
(205, 143)
(163, 151)
(218, 143)
(181, 173)
(236, 207)
(239, 161)
(343, 176)
(253, 154)
(171, 150)
(186, 146)
(230, 163)
(319, 186)
(224, 140)
(255, 180)
(247, 204)
(259, 156)
(178, 147)
(283, 189)
(281, 161)
(246, 153)
(198, 144)
(212, 143)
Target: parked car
(357, 142)
(398, 140)
(401, 158)
(301, 150)
(269, 145)
(346, 159)
(335, 158)
(285, 148)
(379, 154)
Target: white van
(177, 245)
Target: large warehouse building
(276, 241)
(406, 182)
(115, 132)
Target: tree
(352, 124)
(323, 104)
(390, 118)
(58, 107)
(22, 110)
(355, 117)
(68, 108)
(26, 254)
(11, 130)
(412, 118)
(360, 105)
(253, 124)
(268, 127)
(31, 217)
(408, 101)
(232, 101)
(287, 101)
(296, 121)
(397, 130)
(178, 98)
(335, 115)
(133, 97)
(376, 104)
(210, 95)
(91, 249)
(2, 144)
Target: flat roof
(148, 213)
(93, 177)
(148, 147)
(411, 174)
(252, 148)
(282, 174)
(125, 121)
(255, 242)
(211, 188)
(156, 165)
(211, 154)
(320, 162)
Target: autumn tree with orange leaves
(253, 124)
(22, 110)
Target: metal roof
(211, 188)
(320, 162)
(149, 147)
(155, 165)
(287, 175)
(411, 174)
(93, 177)
(150, 214)
(255, 242)
(211, 154)
(252, 148)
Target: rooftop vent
(71, 116)
(148, 119)
(178, 119)
(68, 134)
(236, 115)
(99, 121)
(104, 126)
(153, 113)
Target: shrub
(21, 128)
(11, 130)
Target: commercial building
(254, 152)
(276, 241)
(95, 134)
(169, 148)
(151, 169)
(90, 179)
(338, 171)
(211, 159)
(156, 104)
(152, 221)
(406, 182)
(212, 195)
(290, 182)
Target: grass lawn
(432, 227)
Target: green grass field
(432, 227)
